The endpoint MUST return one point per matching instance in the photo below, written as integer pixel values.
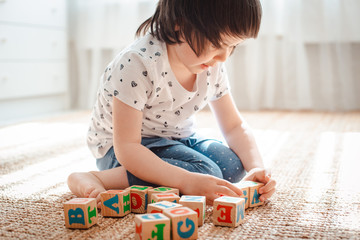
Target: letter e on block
(80, 213)
(229, 211)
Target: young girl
(142, 126)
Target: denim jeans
(194, 153)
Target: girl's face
(184, 57)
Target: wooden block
(139, 198)
(80, 213)
(253, 192)
(158, 197)
(152, 226)
(243, 186)
(159, 207)
(183, 223)
(196, 203)
(229, 211)
(115, 203)
(162, 190)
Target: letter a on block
(111, 201)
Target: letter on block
(196, 203)
(183, 223)
(115, 203)
(159, 207)
(244, 187)
(152, 226)
(162, 190)
(80, 213)
(139, 198)
(253, 192)
(158, 197)
(229, 211)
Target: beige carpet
(315, 158)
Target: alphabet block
(149, 226)
(139, 198)
(228, 211)
(183, 223)
(162, 190)
(158, 197)
(80, 213)
(244, 187)
(196, 203)
(253, 192)
(115, 203)
(159, 207)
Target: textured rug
(315, 158)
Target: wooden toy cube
(115, 203)
(158, 197)
(149, 226)
(243, 186)
(159, 207)
(80, 213)
(162, 190)
(253, 192)
(229, 211)
(139, 198)
(196, 203)
(183, 223)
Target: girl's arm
(240, 139)
(144, 164)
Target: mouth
(204, 66)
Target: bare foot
(86, 185)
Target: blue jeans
(194, 153)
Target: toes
(89, 191)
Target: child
(141, 129)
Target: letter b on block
(80, 213)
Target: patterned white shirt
(141, 77)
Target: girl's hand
(209, 186)
(264, 176)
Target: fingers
(267, 195)
(229, 189)
(268, 187)
(268, 190)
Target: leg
(229, 163)
(185, 157)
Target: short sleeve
(221, 84)
(128, 80)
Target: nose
(222, 55)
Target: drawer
(27, 79)
(18, 42)
(37, 12)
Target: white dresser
(33, 58)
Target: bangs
(199, 22)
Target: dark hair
(199, 21)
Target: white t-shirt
(141, 77)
